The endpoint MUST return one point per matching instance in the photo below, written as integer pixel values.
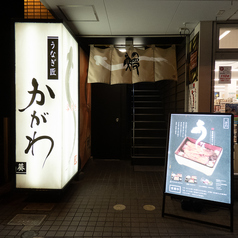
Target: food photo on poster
(199, 156)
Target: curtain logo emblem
(132, 62)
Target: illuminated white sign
(46, 61)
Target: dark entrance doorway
(110, 122)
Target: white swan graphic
(99, 60)
(200, 129)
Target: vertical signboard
(193, 97)
(193, 64)
(46, 110)
(199, 157)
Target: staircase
(149, 130)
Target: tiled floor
(87, 208)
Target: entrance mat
(27, 220)
(142, 168)
(39, 207)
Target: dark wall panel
(174, 91)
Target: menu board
(199, 156)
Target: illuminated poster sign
(199, 159)
(46, 61)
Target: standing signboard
(200, 157)
(46, 105)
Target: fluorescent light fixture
(224, 34)
(219, 86)
(122, 49)
(233, 79)
(233, 70)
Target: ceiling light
(224, 34)
(122, 49)
(216, 86)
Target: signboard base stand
(230, 207)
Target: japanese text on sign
(35, 118)
(52, 57)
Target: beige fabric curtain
(165, 63)
(114, 67)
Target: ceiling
(139, 17)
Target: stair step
(148, 110)
(147, 117)
(145, 152)
(148, 102)
(148, 146)
(150, 129)
(146, 96)
(149, 114)
(149, 137)
(150, 133)
(147, 156)
(145, 86)
(146, 90)
(148, 107)
(150, 121)
(146, 93)
(148, 125)
(151, 141)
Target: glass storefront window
(225, 92)
(228, 38)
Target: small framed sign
(224, 74)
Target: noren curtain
(112, 66)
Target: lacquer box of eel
(203, 157)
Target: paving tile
(86, 208)
(69, 233)
(51, 233)
(63, 228)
